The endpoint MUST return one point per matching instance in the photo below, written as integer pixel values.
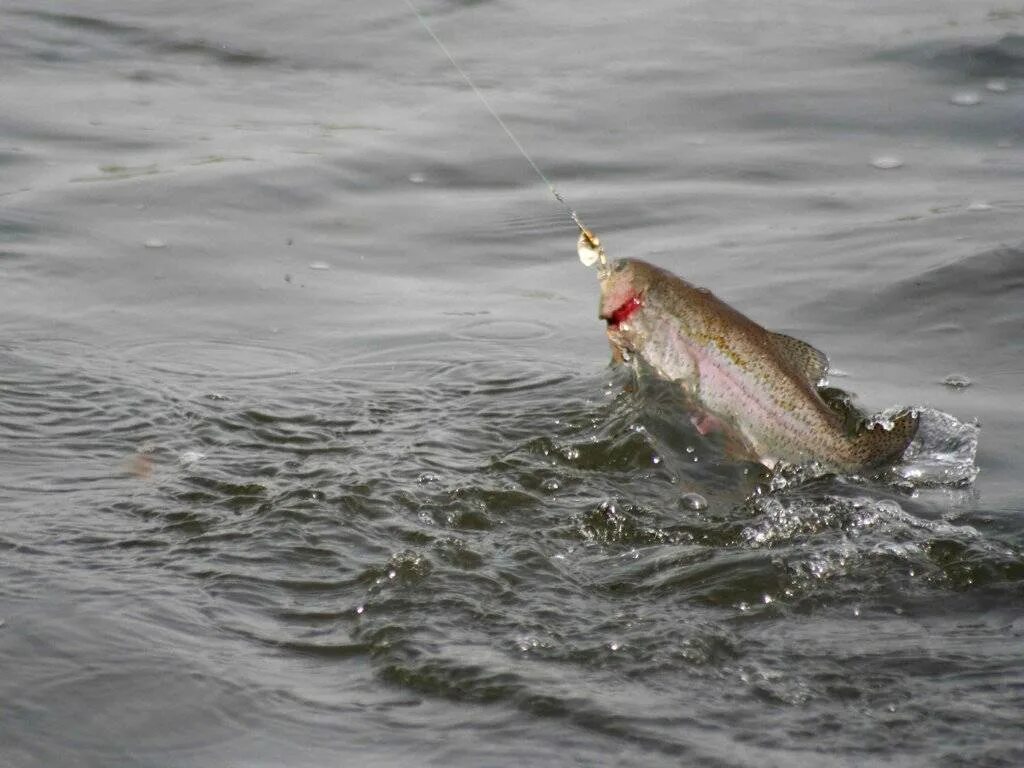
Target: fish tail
(875, 445)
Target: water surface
(311, 454)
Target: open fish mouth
(624, 311)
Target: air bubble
(693, 501)
(886, 162)
(957, 381)
(965, 98)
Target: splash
(942, 453)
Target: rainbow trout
(760, 387)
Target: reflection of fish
(761, 387)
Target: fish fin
(617, 358)
(705, 423)
(841, 404)
(876, 445)
(809, 361)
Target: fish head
(624, 287)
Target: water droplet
(392, 574)
(957, 381)
(319, 265)
(767, 599)
(856, 610)
(155, 242)
(427, 477)
(417, 178)
(886, 162)
(614, 645)
(528, 643)
(550, 485)
(978, 205)
(191, 457)
(693, 501)
(997, 85)
(360, 609)
(656, 459)
(965, 98)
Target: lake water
(311, 453)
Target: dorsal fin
(809, 361)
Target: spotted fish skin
(763, 386)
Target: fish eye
(620, 264)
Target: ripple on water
(217, 359)
(504, 330)
(68, 420)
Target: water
(311, 454)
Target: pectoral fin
(617, 358)
(809, 361)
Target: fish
(764, 389)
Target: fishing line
(586, 236)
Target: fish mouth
(624, 311)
